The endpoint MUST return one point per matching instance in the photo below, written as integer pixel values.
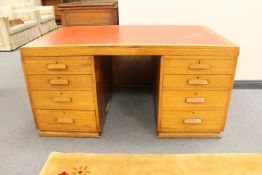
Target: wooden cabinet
(58, 14)
(195, 93)
(64, 95)
(91, 12)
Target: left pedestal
(65, 92)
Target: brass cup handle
(62, 100)
(199, 66)
(195, 100)
(59, 82)
(193, 121)
(64, 121)
(56, 66)
(197, 82)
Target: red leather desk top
(130, 35)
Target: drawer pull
(193, 121)
(64, 121)
(62, 100)
(59, 82)
(195, 100)
(199, 66)
(56, 66)
(197, 82)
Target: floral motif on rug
(82, 170)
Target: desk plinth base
(69, 134)
(189, 135)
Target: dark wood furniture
(89, 12)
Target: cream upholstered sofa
(12, 37)
(38, 20)
(46, 16)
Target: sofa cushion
(22, 27)
(46, 18)
(15, 22)
(7, 12)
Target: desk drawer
(66, 120)
(197, 66)
(93, 16)
(58, 66)
(174, 100)
(192, 121)
(191, 82)
(60, 82)
(82, 100)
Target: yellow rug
(152, 164)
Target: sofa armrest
(4, 25)
(27, 15)
(46, 10)
(5, 43)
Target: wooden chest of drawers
(63, 95)
(84, 13)
(194, 95)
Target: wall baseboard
(248, 84)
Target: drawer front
(58, 66)
(94, 17)
(82, 100)
(201, 66)
(60, 82)
(192, 121)
(66, 120)
(191, 82)
(172, 100)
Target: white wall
(238, 20)
(10, 2)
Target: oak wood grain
(80, 134)
(176, 99)
(81, 100)
(197, 82)
(174, 121)
(71, 65)
(193, 74)
(178, 65)
(61, 82)
(66, 120)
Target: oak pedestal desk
(68, 71)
